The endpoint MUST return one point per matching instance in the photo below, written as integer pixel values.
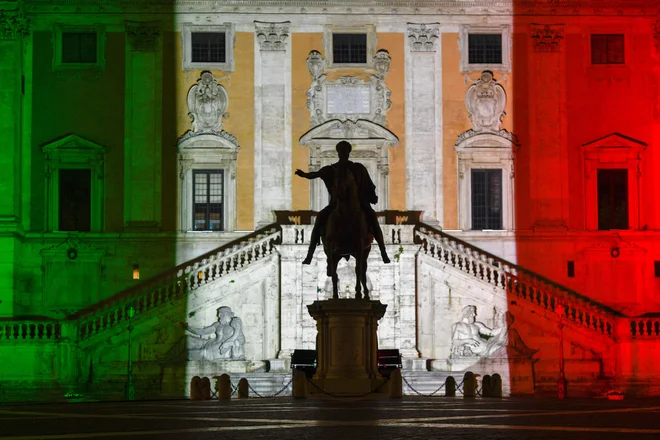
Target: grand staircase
(623, 347)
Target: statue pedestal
(346, 348)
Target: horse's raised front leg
(363, 274)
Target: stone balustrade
(176, 283)
(644, 327)
(30, 330)
(530, 288)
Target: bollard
(224, 387)
(243, 388)
(396, 384)
(469, 385)
(496, 385)
(487, 386)
(195, 388)
(299, 385)
(205, 388)
(450, 386)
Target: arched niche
(370, 143)
(485, 151)
(208, 152)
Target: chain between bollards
(420, 394)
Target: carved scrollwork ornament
(13, 25)
(382, 61)
(547, 38)
(485, 101)
(272, 36)
(207, 104)
(143, 37)
(315, 64)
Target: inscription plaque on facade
(348, 100)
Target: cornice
(354, 7)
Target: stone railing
(177, 282)
(525, 285)
(397, 226)
(37, 329)
(644, 327)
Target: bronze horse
(346, 233)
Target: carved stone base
(346, 346)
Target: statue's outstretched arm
(311, 175)
(202, 331)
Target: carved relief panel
(348, 98)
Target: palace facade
(149, 151)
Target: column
(424, 121)
(549, 165)
(143, 116)
(272, 127)
(13, 27)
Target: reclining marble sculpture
(228, 343)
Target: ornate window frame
(610, 152)
(372, 42)
(463, 44)
(73, 152)
(485, 151)
(59, 29)
(207, 152)
(188, 28)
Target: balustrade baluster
(32, 331)
(649, 331)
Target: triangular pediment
(336, 130)
(72, 142)
(615, 140)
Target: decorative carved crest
(13, 25)
(315, 64)
(143, 36)
(207, 104)
(547, 38)
(485, 101)
(272, 36)
(423, 37)
(382, 61)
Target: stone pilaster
(423, 65)
(13, 27)
(272, 131)
(549, 165)
(143, 115)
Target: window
(74, 169)
(486, 199)
(485, 48)
(75, 198)
(607, 49)
(207, 212)
(612, 199)
(349, 48)
(208, 47)
(656, 268)
(79, 47)
(570, 269)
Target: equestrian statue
(348, 224)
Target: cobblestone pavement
(286, 418)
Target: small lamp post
(561, 382)
(130, 386)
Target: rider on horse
(366, 194)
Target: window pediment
(614, 147)
(336, 130)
